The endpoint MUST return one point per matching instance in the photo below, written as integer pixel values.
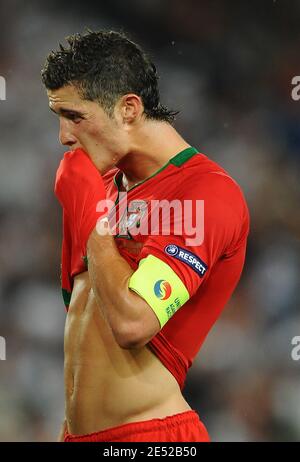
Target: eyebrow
(64, 111)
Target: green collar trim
(178, 161)
(183, 156)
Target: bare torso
(106, 385)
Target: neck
(153, 145)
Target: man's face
(84, 124)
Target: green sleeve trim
(160, 287)
(85, 259)
(66, 296)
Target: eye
(74, 117)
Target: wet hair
(103, 66)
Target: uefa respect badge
(187, 257)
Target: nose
(66, 137)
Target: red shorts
(185, 426)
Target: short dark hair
(104, 66)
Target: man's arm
(130, 317)
(80, 190)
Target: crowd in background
(229, 74)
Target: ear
(131, 108)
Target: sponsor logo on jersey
(187, 257)
(162, 289)
(132, 217)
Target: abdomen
(106, 385)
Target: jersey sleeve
(215, 224)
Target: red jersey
(209, 269)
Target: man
(141, 293)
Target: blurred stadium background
(227, 66)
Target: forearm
(109, 275)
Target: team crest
(132, 217)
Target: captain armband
(160, 287)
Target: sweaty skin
(106, 385)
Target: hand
(80, 190)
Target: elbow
(135, 334)
(130, 337)
(131, 344)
